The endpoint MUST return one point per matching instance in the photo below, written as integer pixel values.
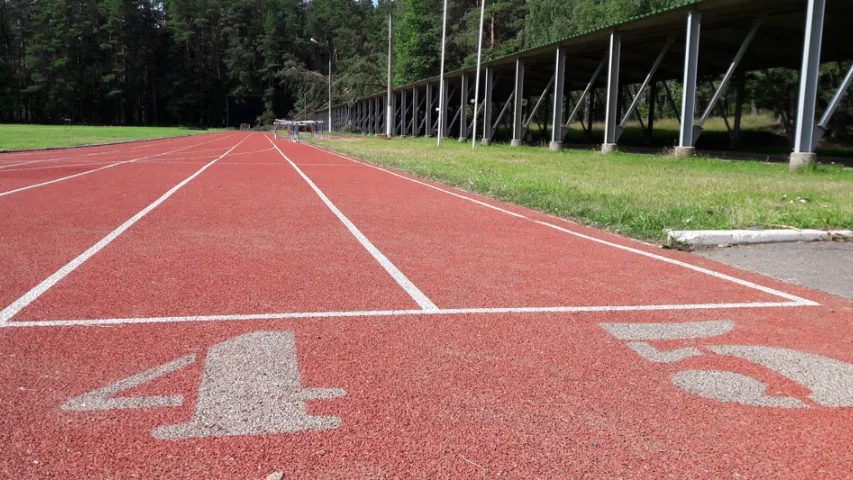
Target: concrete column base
(800, 160)
(515, 142)
(684, 152)
(608, 148)
(555, 145)
(486, 141)
(463, 139)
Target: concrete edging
(747, 237)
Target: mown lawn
(636, 195)
(16, 137)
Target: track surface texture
(232, 306)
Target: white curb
(746, 237)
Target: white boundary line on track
(7, 313)
(16, 164)
(417, 295)
(799, 300)
(389, 313)
(62, 165)
(56, 180)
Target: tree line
(214, 63)
(207, 62)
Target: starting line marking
(29, 297)
(801, 301)
(389, 313)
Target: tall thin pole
(477, 81)
(329, 127)
(388, 106)
(441, 90)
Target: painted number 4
(250, 386)
(829, 380)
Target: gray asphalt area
(824, 266)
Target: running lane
(45, 228)
(710, 393)
(90, 151)
(248, 236)
(466, 255)
(67, 163)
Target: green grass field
(16, 137)
(636, 195)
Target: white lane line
(396, 313)
(410, 288)
(49, 167)
(327, 165)
(56, 180)
(16, 164)
(19, 304)
(706, 271)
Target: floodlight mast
(442, 102)
(388, 101)
(477, 80)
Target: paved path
(825, 266)
(227, 306)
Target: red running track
(465, 337)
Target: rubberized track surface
(227, 306)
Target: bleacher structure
(713, 40)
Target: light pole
(331, 52)
(441, 89)
(389, 106)
(477, 81)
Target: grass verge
(17, 137)
(635, 195)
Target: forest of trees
(208, 62)
(213, 63)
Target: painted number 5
(829, 380)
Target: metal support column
(518, 96)
(463, 108)
(380, 115)
(685, 146)
(393, 115)
(365, 116)
(416, 130)
(489, 81)
(610, 117)
(404, 110)
(428, 111)
(803, 154)
(373, 112)
(557, 130)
